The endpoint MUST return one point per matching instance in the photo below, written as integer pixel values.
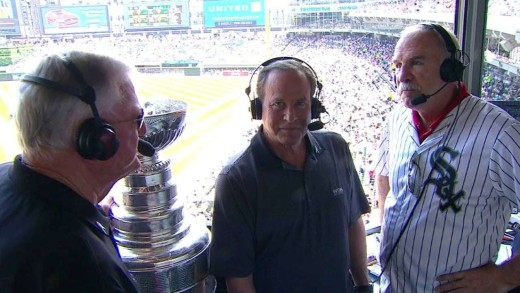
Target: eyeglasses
(139, 120)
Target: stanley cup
(164, 248)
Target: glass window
(501, 68)
(204, 52)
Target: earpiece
(255, 107)
(452, 68)
(255, 104)
(96, 139)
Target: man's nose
(403, 74)
(289, 114)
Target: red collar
(424, 132)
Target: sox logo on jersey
(450, 197)
(445, 182)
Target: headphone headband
(319, 86)
(53, 85)
(448, 41)
(255, 104)
(86, 93)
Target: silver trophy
(164, 248)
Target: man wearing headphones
(448, 175)
(287, 212)
(53, 237)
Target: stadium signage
(347, 7)
(9, 22)
(156, 15)
(315, 9)
(228, 8)
(323, 8)
(233, 13)
(74, 19)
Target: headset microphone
(420, 99)
(145, 148)
(423, 98)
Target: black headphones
(451, 68)
(96, 139)
(256, 104)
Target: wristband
(364, 289)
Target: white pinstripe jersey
(469, 180)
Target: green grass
(8, 146)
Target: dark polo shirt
(288, 226)
(53, 240)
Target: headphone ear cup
(255, 108)
(97, 140)
(316, 108)
(452, 70)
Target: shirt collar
(423, 131)
(265, 157)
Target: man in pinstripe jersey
(448, 175)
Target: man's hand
(482, 279)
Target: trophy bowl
(165, 120)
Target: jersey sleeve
(381, 166)
(504, 164)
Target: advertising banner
(145, 16)
(75, 19)
(325, 8)
(234, 13)
(9, 22)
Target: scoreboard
(156, 15)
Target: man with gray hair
(448, 175)
(79, 122)
(287, 214)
